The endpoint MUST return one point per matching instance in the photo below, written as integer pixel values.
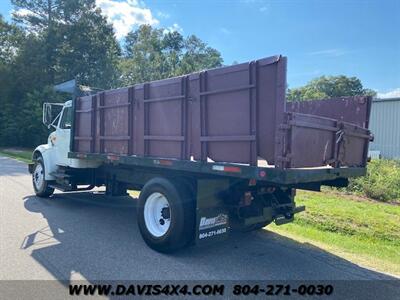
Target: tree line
(52, 41)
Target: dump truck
(211, 152)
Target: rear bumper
(319, 175)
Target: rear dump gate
(236, 114)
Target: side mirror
(51, 113)
(47, 117)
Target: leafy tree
(199, 56)
(77, 40)
(145, 59)
(39, 17)
(89, 49)
(10, 38)
(32, 131)
(28, 88)
(329, 87)
(152, 54)
(51, 41)
(55, 40)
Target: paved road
(93, 237)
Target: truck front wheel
(40, 185)
(166, 215)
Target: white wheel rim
(38, 176)
(157, 216)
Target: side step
(62, 187)
(60, 175)
(65, 183)
(69, 188)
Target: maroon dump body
(234, 114)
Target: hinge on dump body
(339, 137)
(284, 127)
(283, 156)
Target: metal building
(385, 125)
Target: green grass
(363, 231)
(19, 154)
(382, 181)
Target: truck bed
(233, 118)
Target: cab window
(66, 119)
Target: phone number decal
(283, 290)
(212, 233)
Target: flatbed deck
(272, 175)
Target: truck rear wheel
(40, 184)
(166, 215)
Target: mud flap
(212, 218)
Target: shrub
(382, 181)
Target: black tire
(42, 190)
(181, 212)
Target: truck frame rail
(298, 177)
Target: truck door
(63, 135)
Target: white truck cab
(48, 159)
